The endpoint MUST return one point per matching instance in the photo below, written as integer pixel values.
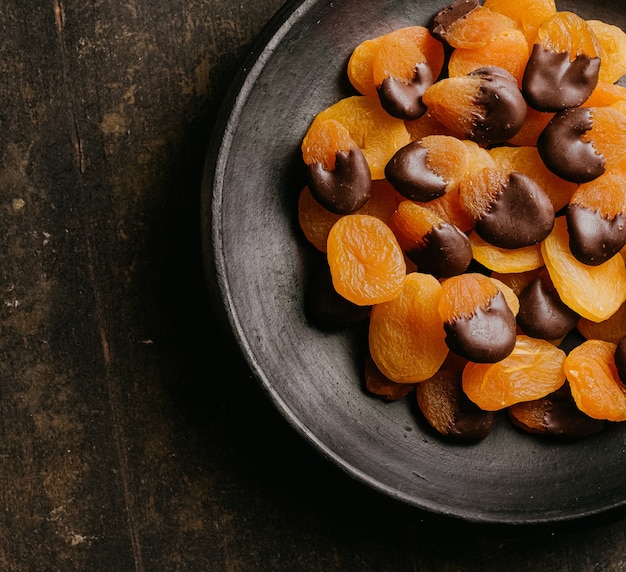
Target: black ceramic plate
(260, 261)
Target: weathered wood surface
(121, 446)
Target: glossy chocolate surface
(403, 99)
(593, 238)
(410, 174)
(620, 359)
(487, 336)
(542, 313)
(553, 82)
(345, 189)
(501, 108)
(563, 151)
(521, 215)
(446, 252)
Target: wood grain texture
(132, 438)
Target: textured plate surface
(260, 262)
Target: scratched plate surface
(259, 264)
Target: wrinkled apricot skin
(532, 370)
(595, 383)
(381, 386)
(406, 336)
(366, 262)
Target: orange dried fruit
(485, 106)
(528, 14)
(366, 262)
(612, 40)
(478, 321)
(316, 221)
(424, 126)
(555, 415)
(435, 246)
(449, 208)
(406, 336)
(516, 281)
(360, 68)
(594, 380)
(532, 370)
(613, 329)
(380, 385)
(505, 260)
(376, 133)
(606, 94)
(527, 160)
(507, 50)
(509, 209)
(596, 218)
(427, 169)
(564, 64)
(475, 28)
(594, 292)
(534, 124)
(448, 410)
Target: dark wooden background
(131, 436)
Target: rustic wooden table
(131, 436)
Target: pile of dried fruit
(471, 203)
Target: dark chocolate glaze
(328, 310)
(555, 415)
(502, 108)
(564, 153)
(553, 82)
(450, 14)
(446, 252)
(594, 238)
(542, 313)
(487, 336)
(409, 173)
(403, 99)
(347, 188)
(620, 359)
(521, 214)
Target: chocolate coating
(593, 238)
(542, 313)
(521, 214)
(487, 336)
(446, 252)
(404, 100)
(409, 173)
(450, 14)
(501, 106)
(564, 153)
(620, 359)
(553, 82)
(347, 188)
(555, 415)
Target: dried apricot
(406, 336)
(436, 247)
(532, 370)
(376, 133)
(613, 329)
(534, 124)
(485, 106)
(449, 208)
(555, 415)
(505, 260)
(606, 94)
(564, 64)
(594, 292)
(594, 380)
(448, 410)
(509, 209)
(527, 160)
(528, 14)
(507, 50)
(366, 262)
(427, 169)
(478, 321)
(612, 40)
(596, 218)
(360, 69)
